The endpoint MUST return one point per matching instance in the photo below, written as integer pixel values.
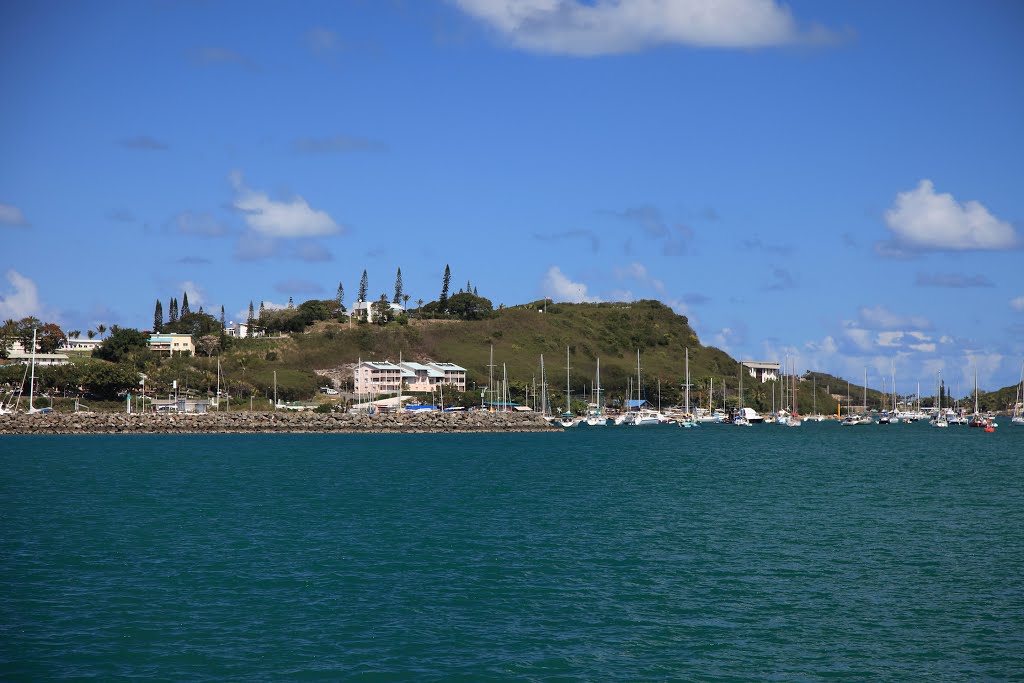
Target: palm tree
(90, 334)
(405, 300)
(101, 328)
(419, 305)
(75, 334)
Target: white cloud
(23, 301)
(1017, 304)
(923, 219)
(267, 305)
(561, 288)
(12, 215)
(881, 318)
(923, 348)
(196, 295)
(294, 218)
(889, 338)
(597, 27)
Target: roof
(379, 365)
(634, 403)
(420, 367)
(451, 367)
(765, 365)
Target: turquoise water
(726, 554)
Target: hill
(519, 335)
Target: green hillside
(519, 335)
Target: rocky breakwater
(246, 422)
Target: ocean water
(717, 554)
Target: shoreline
(272, 423)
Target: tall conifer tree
(158, 316)
(398, 287)
(172, 314)
(443, 300)
(184, 305)
(363, 283)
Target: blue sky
(840, 181)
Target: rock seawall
(245, 422)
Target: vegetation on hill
(519, 336)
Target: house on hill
(762, 371)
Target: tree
(74, 334)
(382, 312)
(101, 328)
(419, 306)
(184, 304)
(107, 381)
(158, 316)
(442, 302)
(250, 322)
(121, 345)
(223, 320)
(291, 304)
(398, 287)
(405, 301)
(474, 292)
(466, 306)
(172, 311)
(90, 334)
(339, 298)
(201, 312)
(209, 343)
(263, 312)
(49, 338)
(363, 284)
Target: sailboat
(645, 417)
(940, 417)
(977, 419)
(597, 418)
(1018, 418)
(32, 410)
(740, 419)
(850, 420)
(794, 418)
(687, 421)
(568, 419)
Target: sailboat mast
(543, 388)
(32, 382)
(567, 390)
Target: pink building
(385, 377)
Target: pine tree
(474, 292)
(363, 283)
(398, 287)
(223, 320)
(468, 288)
(339, 297)
(443, 300)
(158, 316)
(172, 314)
(201, 309)
(250, 322)
(263, 312)
(291, 304)
(184, 305)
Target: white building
(766, 372)
(82, 344)
(241, 330)
(17, 354)
(360, 308)
(385, 377)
